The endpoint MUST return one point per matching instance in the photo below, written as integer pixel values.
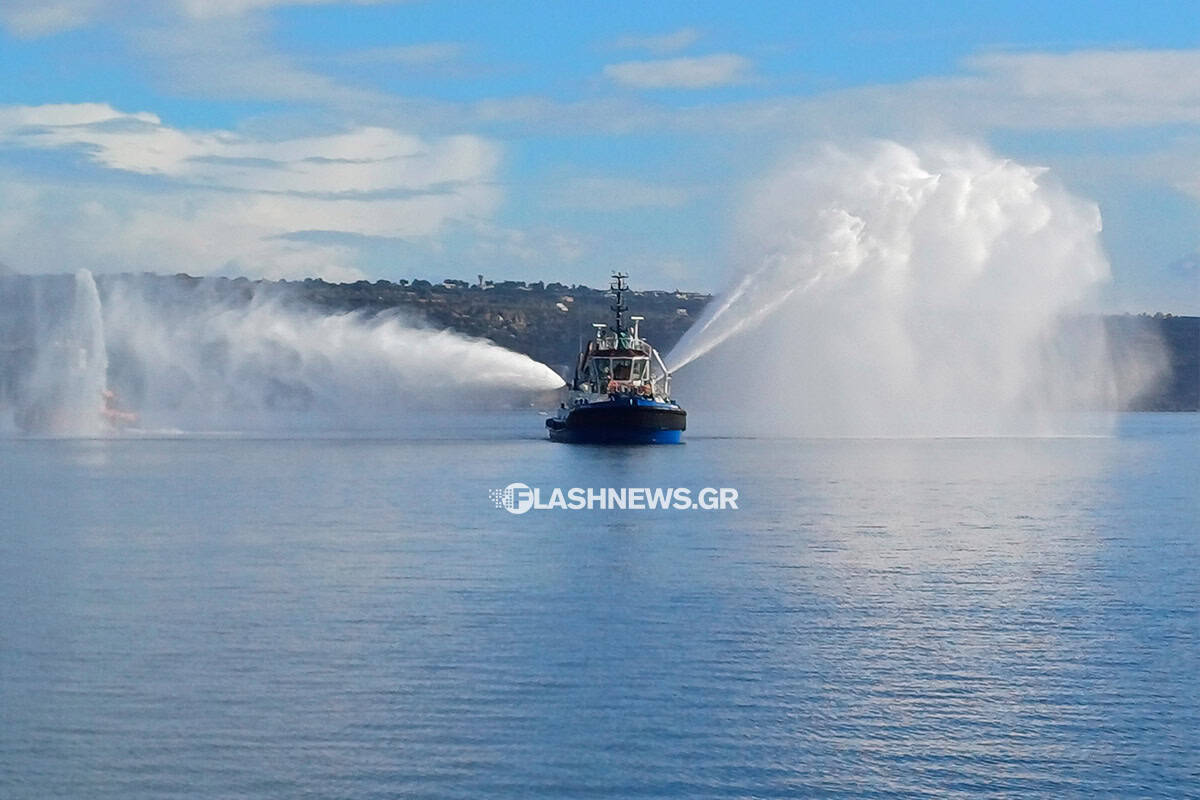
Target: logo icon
(516, 498)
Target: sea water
(352, 617)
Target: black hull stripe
(659, 419)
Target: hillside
(548, 321)
(544, 321)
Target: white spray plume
(885, 290)
(186, 356)
(270, 362)
(63, 393)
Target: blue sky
(557, 140)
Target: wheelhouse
(622, 368)
(618, 361)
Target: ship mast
(619, 288)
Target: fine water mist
(885, 291)
(60, 363)
(154, 353)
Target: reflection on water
(353, 618)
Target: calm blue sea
(352, 617)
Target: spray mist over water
(193, 356)
(892, 291)
(66, 359)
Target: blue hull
(614, 436)
(624, 420)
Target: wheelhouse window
(604, 369)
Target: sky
(370, 139)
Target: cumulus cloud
(213, 199)
(700, 72)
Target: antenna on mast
(619, 287)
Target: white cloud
(14, 118)
(229, 58)
(660, 44)
(409, 55)
(363, 160)
(202, 9)
(118, 229)
(601, 193)
(222, 198)
(495, 245)
(1099, 87)
(1170, 74)
(208, 48)
(31, 18)
(701, 72)
(1018, 91)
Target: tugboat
(621, 392)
